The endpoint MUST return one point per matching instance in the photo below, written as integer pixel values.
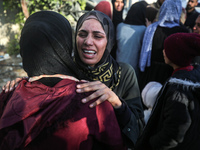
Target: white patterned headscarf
(170, 13)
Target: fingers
(7, 86)
(84, 81)
(101, 98)
(89, 86)
(71, 78)
(11, 85)
(97, 102)
(100, 92)
(147, 22)
(35, 78)
(96, 94)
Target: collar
(194, 10)
(187, 68)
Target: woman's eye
(82, 34)
(98, 36)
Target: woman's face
(167, 61)
(91, 42)
(119, 4)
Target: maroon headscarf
(105, 7)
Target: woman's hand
(147, 22)
(11, 85)
(62, 76)
(101, 91)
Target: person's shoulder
(121, 24)
(126, 68)
(181, 29)
(196, 12)
(125, 65)
(171, 30)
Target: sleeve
(4, 97)
(129, 94)
(177, 120)
(108, 132)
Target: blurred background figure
(151, 62)
(183, 16)
(105, 7)
(151, 14)
(192, 14)
(130, 35)
(196, 28)
(174, 123)
(118, 7)
(157, 6)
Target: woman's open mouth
(89, 53)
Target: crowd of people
(128, 83)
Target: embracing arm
(125, 99)
(11, 85)
(129, 93)
(102, 92)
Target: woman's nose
(89, 40)
(194, 28)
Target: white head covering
(170, 13)
(150, 93)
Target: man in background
(192, 14)
(196, 29)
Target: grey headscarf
(107, 65)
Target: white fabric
(150, 92)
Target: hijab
(169, 16)
(117, 15)
(46, 45)
(107, 69)
(136, 14)
(105, 7)
(151, 13)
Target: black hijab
(136, 14)
(117, 15)
(46, 45)
(151, 13)
(107, 69)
